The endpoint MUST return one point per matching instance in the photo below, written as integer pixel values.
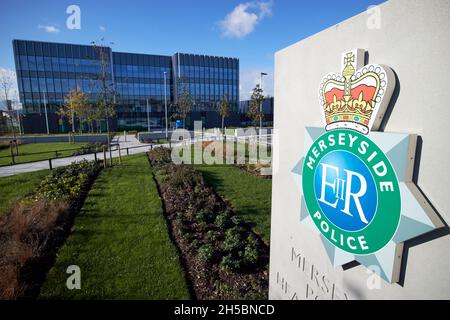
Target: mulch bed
(210, 280)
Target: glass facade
(139, 81)
(208, 79)
(46, 72)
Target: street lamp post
(260, 105)
(148, 118)
(45, 110)
(165, 103)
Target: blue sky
(249, 30)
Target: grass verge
(249, 195)
(120, 242)
(49, 149)
(14, 188)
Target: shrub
(91, 147)
(237, 220)
(206, 253)
(203, 216)
(223, 220)
(160, 156)
(212, 235)
(67, 182)
(251, 251)
(232, 240)
(230, 263)
(187, 236)
(195, 244)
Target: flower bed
(224, 258)
(252, 168)
(31, 233)
(91, 147)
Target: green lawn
(120, 242)
(249, 196)
(48, 148)
(16, 187)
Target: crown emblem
(357, 98)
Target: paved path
(125, 142)
(128, 141)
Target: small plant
(223, 220)
(232, 240)
(204, 216)
(237, 220)
(212, 235)
(186, 234)
(229, 263)
(251, 251)
(195, 244)
(206, 253)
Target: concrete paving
(128, 141)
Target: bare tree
(184, 101)
(106, 103)
(7, 82)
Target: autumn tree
(76, 104)
(254, 112)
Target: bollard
(110, 156)
(95, 156)
(128, 153)
(50, 163)
(104, 157)
(12, 152)
(120, 155)
(17, 147)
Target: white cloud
(49, 28)
(249, 78)
(244, 18)
(102, 28)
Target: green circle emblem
(351, 191)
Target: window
(23, 62)
(32, 63)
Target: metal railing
(116, 147)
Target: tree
(76, 104)
(7, 81)
(106, 103)
(224, 109)
(184, 102)
(256, 100)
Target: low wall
(156, 135)
(241, 132)
(103, 138)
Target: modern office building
(46, 72)
(267, 109)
